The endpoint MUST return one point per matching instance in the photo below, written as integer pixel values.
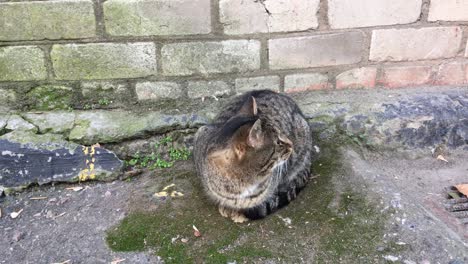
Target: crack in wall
(262, 2)
(267, 11)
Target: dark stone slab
(413, 118)
(428, 120)
(47, 158)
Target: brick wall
(142, 50)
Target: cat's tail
(280, 199)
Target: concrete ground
(363, 207)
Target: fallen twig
(38, 198)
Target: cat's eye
(279, 142)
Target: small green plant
(104, 101)
(165, 140)
(156, 160)
(134, 161)
(161, 163)
(87, 107)
(179, 154)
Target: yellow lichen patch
(83, 175)
(88, 172)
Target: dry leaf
(196, 232)
(16, 214)
(75, 189)
(174, 239)
(176, 194)
(317, 149)
(116, 261)
(169, 186)
(440, 157)
(65, 262)
(454, 195)
(161, 194)
(62, 214)
(287, 221)
(38, 198)
(463, 188)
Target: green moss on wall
(50, 97)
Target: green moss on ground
(142, 230)
(319, 232)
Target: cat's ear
(255, 137)
(250, 107)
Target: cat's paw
(235, 216)
(239, 217)
(224, 211)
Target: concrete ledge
(417, 119)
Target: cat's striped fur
(255, 157)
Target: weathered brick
(466, 73)
(366, 13)
(117, 94)
(357, 78)
(245, 17)
(157, 17)
(304, 82)
(96, 88)
(103, 60)
(47, 20)
(158, 90)
(25, 63)
(199, 89)
(7, 98)
(415, 44)
(316, 51)
(210, 57)
(452, 74)
(466, 49)
(257, 83)
(449, 10)
(404, 76)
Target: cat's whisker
(280, 170)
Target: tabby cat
(255, 157)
